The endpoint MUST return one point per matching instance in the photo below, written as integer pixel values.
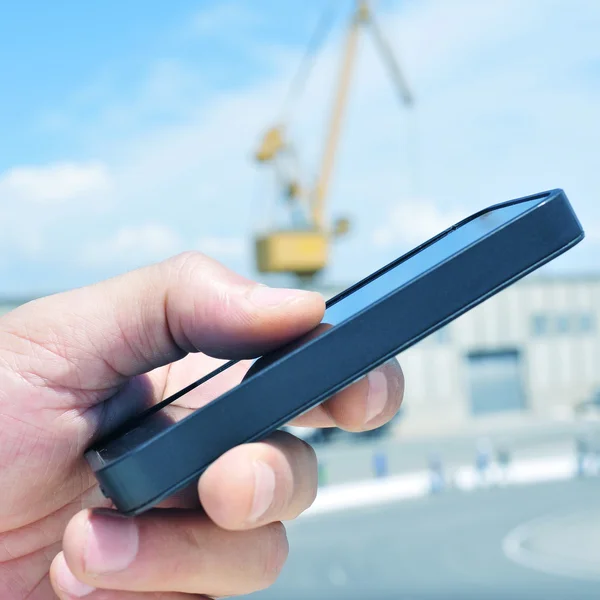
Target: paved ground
(451, 547)
(353, 460)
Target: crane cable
(298, 84)
(395, 72)
(406, 98)
(299, 81)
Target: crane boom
(322, 186)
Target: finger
(370, 402)
(67, 587)
(169, 551)
(367, 404)
(153, 316)
(265, 482)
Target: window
(562, 324)
(586, 323)
(540, 325)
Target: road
(351, 460)
(450, 547)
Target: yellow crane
(303, 249)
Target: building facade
(534, 348)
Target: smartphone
(155, 455)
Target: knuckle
(299, 463)
(273, 555)
(185, 264)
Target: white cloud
(133, 246)
(53, 183)
(413, 222)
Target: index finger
(366, 404)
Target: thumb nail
(112, 544)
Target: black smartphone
(154, 456)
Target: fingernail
(377, 395)
(269, 297)
(264, 490)
(68, 583)
(112, 544)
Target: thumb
(153, 316)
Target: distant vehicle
(325, 435)
(309, 434)
(313, 435)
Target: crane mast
(339, 108)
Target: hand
(74, 365)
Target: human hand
(74, 365)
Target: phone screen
(428, 257)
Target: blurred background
(309, 143)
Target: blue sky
(127, 129)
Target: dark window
(540, 325)
(495, 382)
(586, 323)
(563, 324)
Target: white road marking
(515, 549)
(370, 493)
(391, 489)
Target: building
(533, 349)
